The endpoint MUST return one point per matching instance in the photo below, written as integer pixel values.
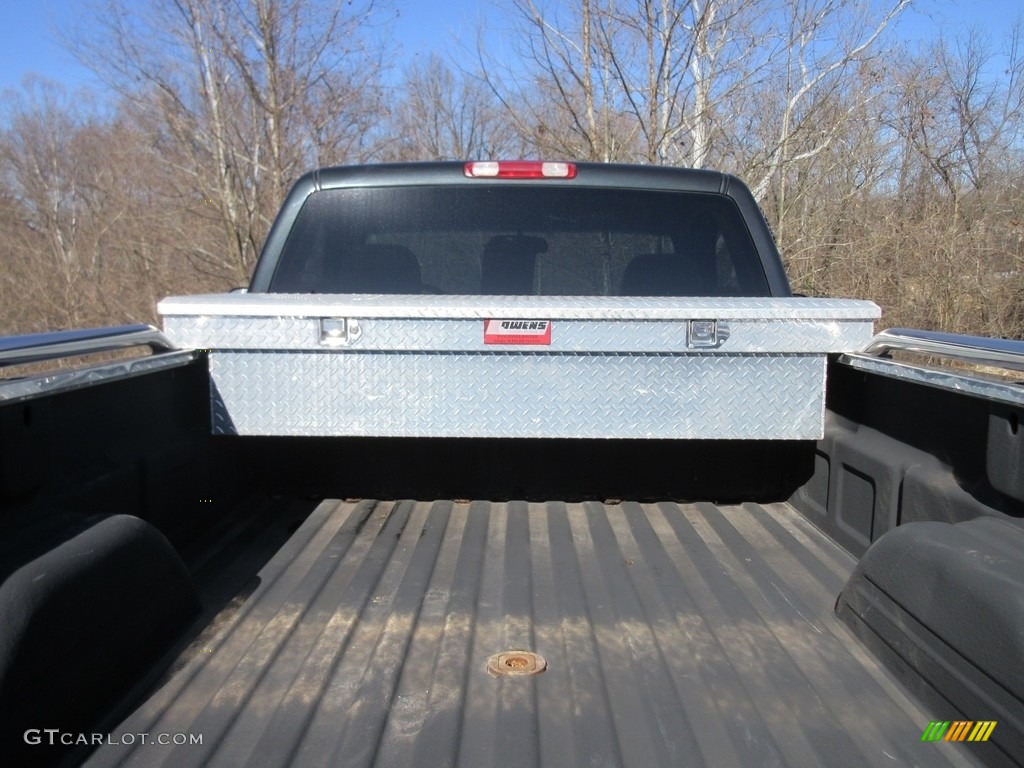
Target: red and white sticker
(517, 332)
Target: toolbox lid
(551, 307)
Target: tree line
(888, 171)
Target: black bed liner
(674, 634)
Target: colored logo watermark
(958, 730)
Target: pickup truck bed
(719, 523)
(674, 634)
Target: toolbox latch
(338, 331)
(706, 334)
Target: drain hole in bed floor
(511, 663)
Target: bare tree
(728, 82)
(822, 40)
(241, 96)
(557, 103)
(894, 177)
(956, 121)
(86, 240)
(43, 162)
(916, 202)
(448, 115)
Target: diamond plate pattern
(518, 395)
(480, 307)
(441, 335)
(216, 332)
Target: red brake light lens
(520, 169)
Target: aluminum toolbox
(483, 366)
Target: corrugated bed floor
(674, 635)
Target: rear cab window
(519, 240)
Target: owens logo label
(517, 332)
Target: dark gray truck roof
(589, 175)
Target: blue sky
(30, 30)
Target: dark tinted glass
(507, 240)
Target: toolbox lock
(338, 331)
(706, 334)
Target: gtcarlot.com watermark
(55, 736)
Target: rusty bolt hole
(512, 663)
